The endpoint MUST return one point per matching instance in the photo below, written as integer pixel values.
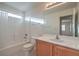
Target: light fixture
(49, 4)
(54, 4)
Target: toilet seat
(28, 45)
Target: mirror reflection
(63, 20)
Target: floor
(15, 51)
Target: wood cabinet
(43, 48)
(63, 51)
(47, 49)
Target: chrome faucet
(57, 37)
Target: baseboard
(10, 46)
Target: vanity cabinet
(48, 49)
(63, 51)
(43, 48)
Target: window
(13, 15)
(63, 27)
(36, 20)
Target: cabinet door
(62, 51)
(43, 48)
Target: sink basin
(55, 40)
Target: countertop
(66, 41)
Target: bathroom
(23, 25)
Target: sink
(57, 40)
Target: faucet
(57, 37)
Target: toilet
(28, 49)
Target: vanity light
(50, 4)
(54, 4)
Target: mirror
(62, 20)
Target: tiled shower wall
(11, 29)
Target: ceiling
(38, 7)
(25, 6)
